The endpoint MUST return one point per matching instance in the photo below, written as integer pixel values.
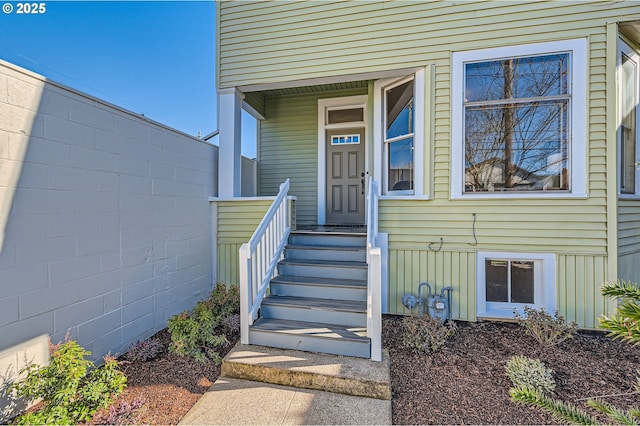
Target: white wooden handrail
(374, 279)
(259, 258)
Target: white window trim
(545, 291)
(418, 136)
(578, 120)
(324, 105)
(623, 47)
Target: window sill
(507, 313)
(489, 316)
(519, 195)
(406, 197)
(629, 197)
(495, 316)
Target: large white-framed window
(628, 148)
(507, 282)
(519, 121)
(399, 111)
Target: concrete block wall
(105, 224)
(12, 361)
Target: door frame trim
(360, 101)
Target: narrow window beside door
(628, 151)
(399, 136)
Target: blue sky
(155, 58)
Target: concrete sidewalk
(242, 402)
(268, 386)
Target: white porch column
(229, 118)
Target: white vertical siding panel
(409, 268)
(580, 279)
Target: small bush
(530, 373)
(201, 332)
(546, 329)
(231, 326)
(71, 389)
(122, 413)
(425, 334)
(225, 301)
(145, 350)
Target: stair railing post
(374, 274)
(246, 290)
(374, 322)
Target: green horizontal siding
(628, 226)
(567, 225)
(570, 226)
(265, 42)
(289, 148)
(237, 221)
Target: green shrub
(546, 329)
(71, 389)
(201, 332)
(145, 350)
(563, 413)
(530, 373)
(623, 325)
(225, 300)
(425, 334)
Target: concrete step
(339, 253)
(329, 311)
(331, 373)
(323, 268)
(321, 288)
(311, 336)
(314, 238)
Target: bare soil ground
(462, 383)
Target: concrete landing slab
(307, 370)
(242, 402)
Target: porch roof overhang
(631, 30)
(255, 93)
(329, 80)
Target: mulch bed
(168, 385)
(465, 382)
(462, 383)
